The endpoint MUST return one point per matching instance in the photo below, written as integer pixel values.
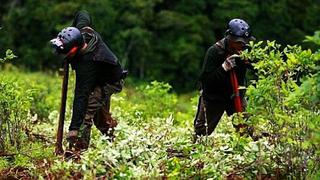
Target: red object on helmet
(72, 52)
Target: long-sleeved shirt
(215, 81)
(97, 66)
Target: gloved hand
(230, 62)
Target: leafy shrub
(281, 107)
(44, 89)
(27, 99)
(9, 56)
(314, 39)
(15, 103)
(157, 103)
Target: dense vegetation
(154, 39)
(154, 137)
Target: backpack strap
(87, 29)
(90, 38)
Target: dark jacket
(215, 81)
(94, 66)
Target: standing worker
(98, 76)
(220, 63)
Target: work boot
(75, 142)
(105, 123)
(72, 139)
(85, 133)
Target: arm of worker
(86, 78)
(212, 70)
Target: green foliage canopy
(155, 39)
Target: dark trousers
(98, 113)
(209, 112)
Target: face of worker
(236, 46)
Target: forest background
(154, 39)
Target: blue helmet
(239, 30)
(67, 39)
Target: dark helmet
(239, 30)
(67, 39)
